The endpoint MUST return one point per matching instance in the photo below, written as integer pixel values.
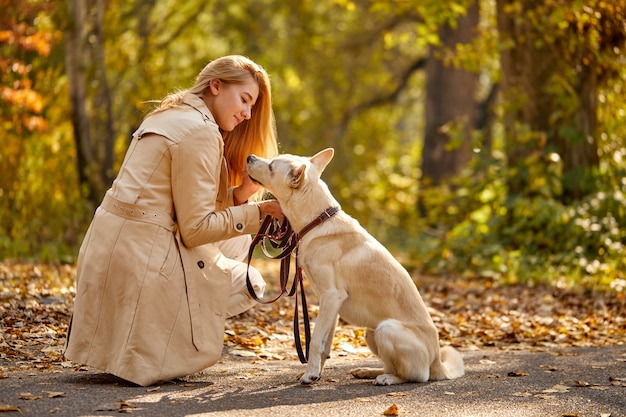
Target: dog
(355, 278)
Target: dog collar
(326, 214)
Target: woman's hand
(248, 187)
(271, 207)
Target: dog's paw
(309, 378)
(388, 379)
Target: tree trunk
(76, 61)
(94, 134)
(536, 118)
(450, 106)
(104, 127)
(579, 150)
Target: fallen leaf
(55, 394)
(243, 353)
(28, 396)
(391, 411)
(619, 382)
(517, 373)
(558, 388)
(581, 383)
(126, 407)
(5, 408)
(152, 389)
(569, 415)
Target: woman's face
(231, 104)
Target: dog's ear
(322, 158)
(297, 176)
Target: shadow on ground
(582, 382)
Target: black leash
(282, 236)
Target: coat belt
(137, 212)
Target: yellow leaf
(391, 411)
(4, 408)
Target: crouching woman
(160, 267)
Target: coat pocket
(171, 259)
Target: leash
(282, 236)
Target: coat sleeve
(196, 166)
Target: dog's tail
(449, 366)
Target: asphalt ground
(545, 382)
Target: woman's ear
(214, 86)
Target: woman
(160, 267)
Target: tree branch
(391, 96)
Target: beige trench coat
(152, 287)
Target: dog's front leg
(323, 333)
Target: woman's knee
(241, 272)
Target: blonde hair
(254, 136)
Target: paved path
(560, 382)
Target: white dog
(354, 277)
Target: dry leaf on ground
(6, 408)
(519, 372)
(391, 411)
(36, 302)
(28, 396)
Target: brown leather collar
(326, 214)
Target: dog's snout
(251, 158)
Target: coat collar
(197, 103)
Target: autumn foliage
(540, 196)
(22, 41)
(36, 304)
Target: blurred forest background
(478, 138)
